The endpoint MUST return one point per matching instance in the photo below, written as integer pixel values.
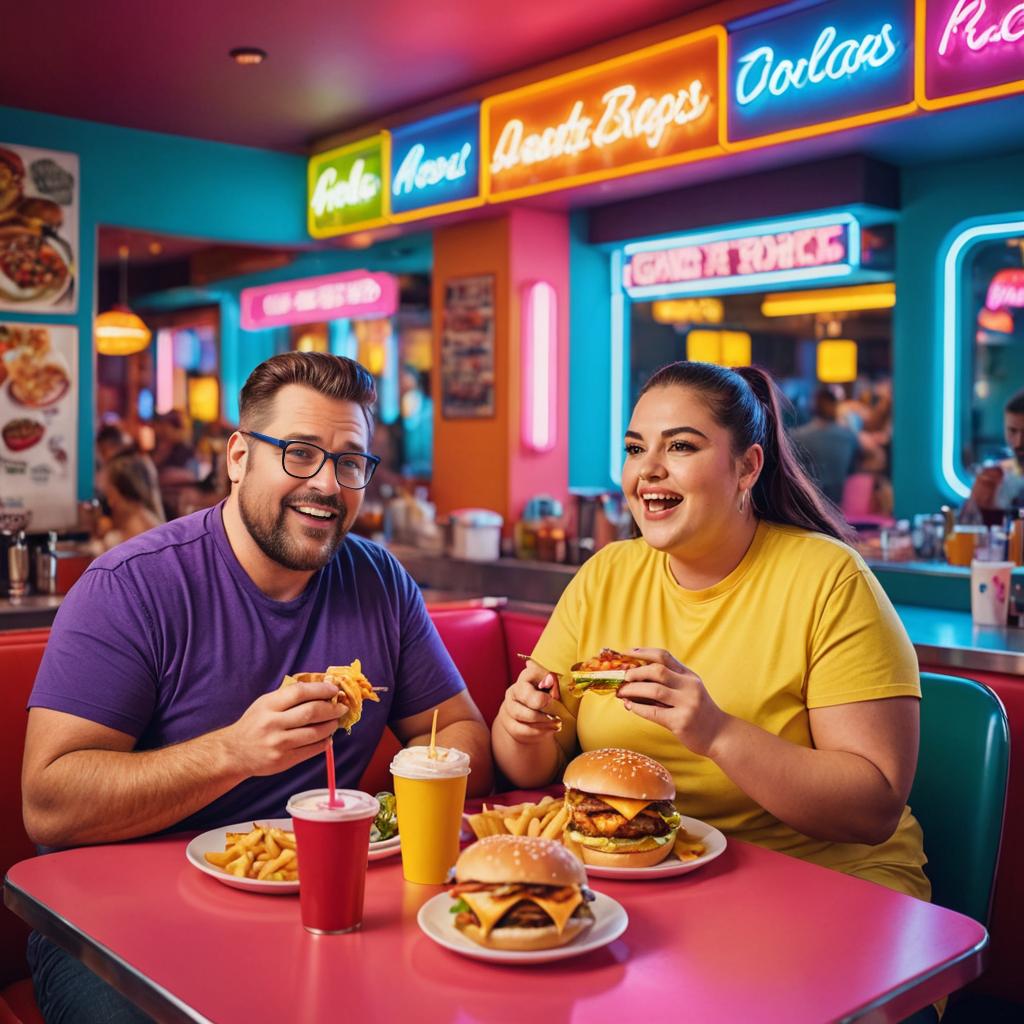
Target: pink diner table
(752, 936)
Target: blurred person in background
(111, 440)
(1000, 483)
(829, 448)
(129, 482)
(175, 459)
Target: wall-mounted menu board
(38, 230)
(38, 426)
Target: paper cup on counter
(990, 592)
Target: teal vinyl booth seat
(959, 792)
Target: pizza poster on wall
(38, 230)
(38, 426)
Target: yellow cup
(429, 814)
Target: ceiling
(331, 66)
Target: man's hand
(284, 727)
(986, 486)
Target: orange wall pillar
(482, 462)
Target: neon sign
(436, 165)
(818, 68)
(652, 108)
(355, 293)
(828, 60)
(1006, 289)
(971, 50)
(346, 190)
(738, 259)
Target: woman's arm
(851, 786)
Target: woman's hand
(524, 713)
(669, 694)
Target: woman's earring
(743, 500)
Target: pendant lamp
(118, 331)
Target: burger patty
(593, 817)
(522, 915)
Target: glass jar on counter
(551, 544)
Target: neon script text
(417, 173)
(758, 254)
(331, 194)
(828, 60)
(964, 21)
(621, 118)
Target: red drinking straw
(331, 788)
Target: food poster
(467, 348)
(38, 230)
(38, 426)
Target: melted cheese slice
(626, 806)
(490, 910)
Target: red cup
(332, 844)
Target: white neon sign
(829, 60)
(417, 173)
(331, 194)
(621, 118)
(963, 22)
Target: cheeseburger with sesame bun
(620, 807)
(521, 893)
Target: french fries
(687, 847)
(267, 854)
(547, 818)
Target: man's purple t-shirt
(165, 637)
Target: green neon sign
(348, 187)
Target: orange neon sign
(656, 107)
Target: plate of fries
(696, 844)
(239, 854)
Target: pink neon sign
(739, 257)
(1006, 290)
(355, 293)
(971, 47)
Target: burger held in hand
(620, 807)
(520, 893)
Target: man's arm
(84, 783)
(459, 725)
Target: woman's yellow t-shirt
(800, 623)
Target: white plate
(435, 920)
(386, 848)
(712, 839)
(213, 842)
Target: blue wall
(164, 183)
(935, 198)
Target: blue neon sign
(813, 65)
(437, 161)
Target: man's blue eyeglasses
(303, 459)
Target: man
(830, 447)
(1001, 485)
(157, 705)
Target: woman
(130, 486)
(783, 692)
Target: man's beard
(268, 528)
